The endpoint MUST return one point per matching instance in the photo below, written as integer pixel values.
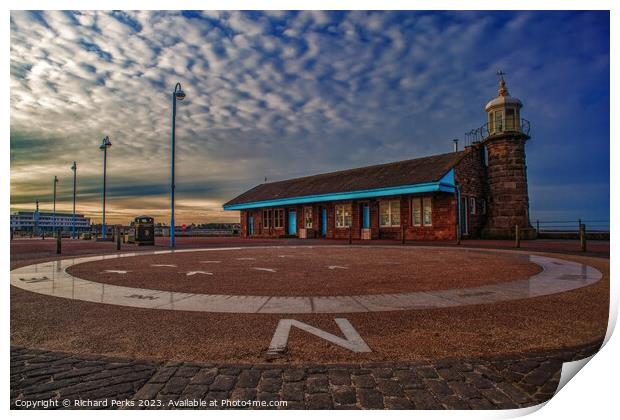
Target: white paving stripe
(51, 279)
(163, 265)
(337, 267)
(193, 273)
(271, 270)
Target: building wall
(443, 220)
(470, 175)
(47, 221)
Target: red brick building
(480, 191)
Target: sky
(284, 94)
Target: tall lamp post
(35, 230)
(177, 94)
(105, 144)
(74, 169)
(54, 208)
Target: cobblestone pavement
(493, 383)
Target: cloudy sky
(285, 94)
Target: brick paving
(491, 383)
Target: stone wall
(471, 176)
(507, 180)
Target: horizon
(287, 94)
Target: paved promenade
(495, 383)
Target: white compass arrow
(271, 270)
(191, 273)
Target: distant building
(480, 192)
(35, 222)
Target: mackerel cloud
(274, 94)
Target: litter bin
(144, 232)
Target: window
(308, 217)
(472, 205)
(427, 211)
(390, 213)
(510, 119)
(416, 206)
(421, 211)
(499, 119)
(266, 219)
(343, 215)
(278, 218)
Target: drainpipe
(458, 214)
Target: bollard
(117, 234)
(582, 237)
(517, 237)
(537, 227)
(58, 242)
(43, 235)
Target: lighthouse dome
(503, 101)
(503, 98)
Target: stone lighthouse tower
(506, 172)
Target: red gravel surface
(29, 249)
(320, 271)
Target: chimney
(456, 145)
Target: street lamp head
(74, 166)
(55, 178)
(105, 143)
(178, 92)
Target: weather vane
(501, 74)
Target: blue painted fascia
(448, 178)
(445, 184)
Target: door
(366, 217)
(250, 225)
(464, 216)
(324, 222)
(292, 222)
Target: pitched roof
(395, 174)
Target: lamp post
(177, 94)
(74, 169)
(35, 229)
(54, 208)
(105, 144)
